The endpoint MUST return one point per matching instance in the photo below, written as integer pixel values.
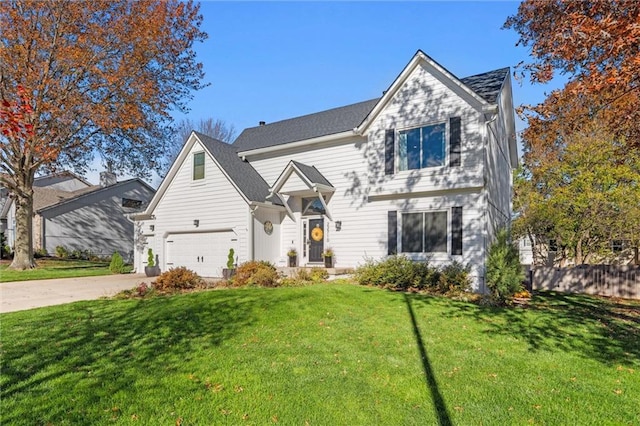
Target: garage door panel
(204, 253)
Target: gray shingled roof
(312, 174)
(487, 85)
(246, 178)
(323, 123)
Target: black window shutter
(456, 230)
(455, 143)
(392, 232)
(389, 151)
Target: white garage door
(204, 253)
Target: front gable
(187, 173)
(422, 78)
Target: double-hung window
(198, 165)
(424, 232)
(422, 147)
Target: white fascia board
(326, 209)
(267, 206)
(170, 175)
(305, 142)
(323, 188)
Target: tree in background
(580, 175)
(584, 196)
(86, 78)
(217, 129)
(597, 44)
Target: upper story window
(422, 147)
(198, 165)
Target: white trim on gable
(439, 72)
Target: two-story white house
(424, 171)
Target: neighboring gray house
(424, 171)
(70, 212)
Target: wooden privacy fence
(604, 280)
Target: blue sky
(276, 60)
(269, 61)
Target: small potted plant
(328, 258)
(230, 270)
(151, 270)
(293, 257)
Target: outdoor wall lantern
(338, 225)
(152, 227)
(196, 223)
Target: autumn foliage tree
(80, 78)
(597, 44)
(580, 175)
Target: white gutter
(306, 142)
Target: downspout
(252, 248)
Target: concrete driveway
(22, 295)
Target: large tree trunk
(23, 252)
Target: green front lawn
(55, 268)
(331, 354)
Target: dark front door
(316, 239)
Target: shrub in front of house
(176, 279)
(453, 278)
(62, 252)
(401, 273)
(117, 265)
(255, 273)
(397, 272)
(504, 271)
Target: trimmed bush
(401, 273)
(176, 279)
(397, 272)
(504, 271)
(454, 278)
(256, 273)
(117, 265)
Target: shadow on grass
(432, 385)
(104, 348)
(605, 330)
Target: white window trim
(396, 148)
(193, 167)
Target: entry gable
(299, 178)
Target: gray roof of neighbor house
(312, 173)
(246, 178)
(487, 85)
(47, 198)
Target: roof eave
(304, 142)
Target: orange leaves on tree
(597, 44)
